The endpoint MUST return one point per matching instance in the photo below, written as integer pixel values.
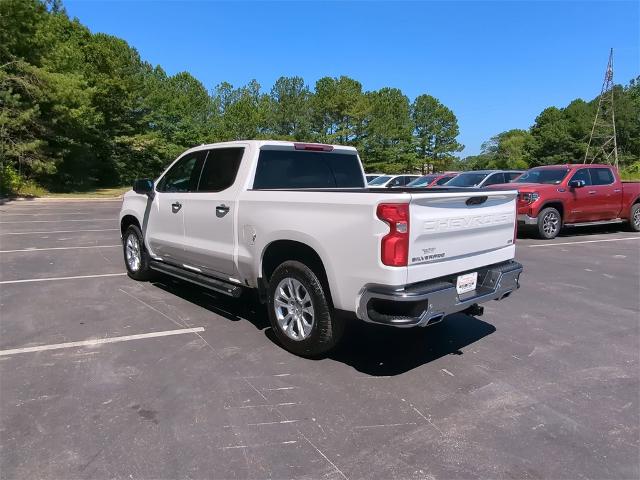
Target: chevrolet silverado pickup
(554, 196)
(297, 223)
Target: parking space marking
(112, 219)
(61, 231)
(51, 279)
(58, 248)
(585, 241)
(100, 341)
(7, 214)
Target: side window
(220, 169)
(583, 174)
(494, 179)
(443, 180)
(408, 180)
(183, 176)
(511, 176)
(396, 182)
(601, 176)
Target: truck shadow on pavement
(371, 349)
(386, 351)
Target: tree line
(561, 135)
(80, 109)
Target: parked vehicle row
(297, 223)
(473, 179)
(554, 196)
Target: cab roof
(275, 144)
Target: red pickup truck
(553, 196)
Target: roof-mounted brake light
(314, 147)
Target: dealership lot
(174, 381)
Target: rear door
(607, 201)
(209, 217)
(165, 227)
(457, 231)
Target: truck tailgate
(459, 231)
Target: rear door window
(220, 169)
(294, 169)
(601, 176)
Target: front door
(165, 227)
(580, 200)
(210, 238)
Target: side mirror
(577, 183)
(143, 186)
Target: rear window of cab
(296, 169)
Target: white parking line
(585, 241)
(51, 279)
(113, 219)
(100, 341)
(7, 214)
(61, 231)
(58, 248)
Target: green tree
(435, 128)
(337, 110)
(387, 132)
(243, 111)
(290, 109)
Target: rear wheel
(549, 223)
(136, 258)
(634, 218)
(300, 311)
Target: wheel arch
(557, 204)
(126, 221)
(279, 251)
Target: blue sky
(495, 64)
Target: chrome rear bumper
(425, 303)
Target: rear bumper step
(211, 283)
(426, 303)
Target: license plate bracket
(467, 282)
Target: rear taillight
(395, 244)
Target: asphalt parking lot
(176, 382)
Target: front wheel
(634, 218)
(136, 258)
(300, 311)
(549, 223)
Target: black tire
(142, 272)
(326, 328)
(549, 223)
(633, 225)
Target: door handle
(175, 207)
(221, 210)
(617, 190)
(592, 192)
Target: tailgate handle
(476, 200)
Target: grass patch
(95, 193)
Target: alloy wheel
(293, 309)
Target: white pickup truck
(296, 222)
